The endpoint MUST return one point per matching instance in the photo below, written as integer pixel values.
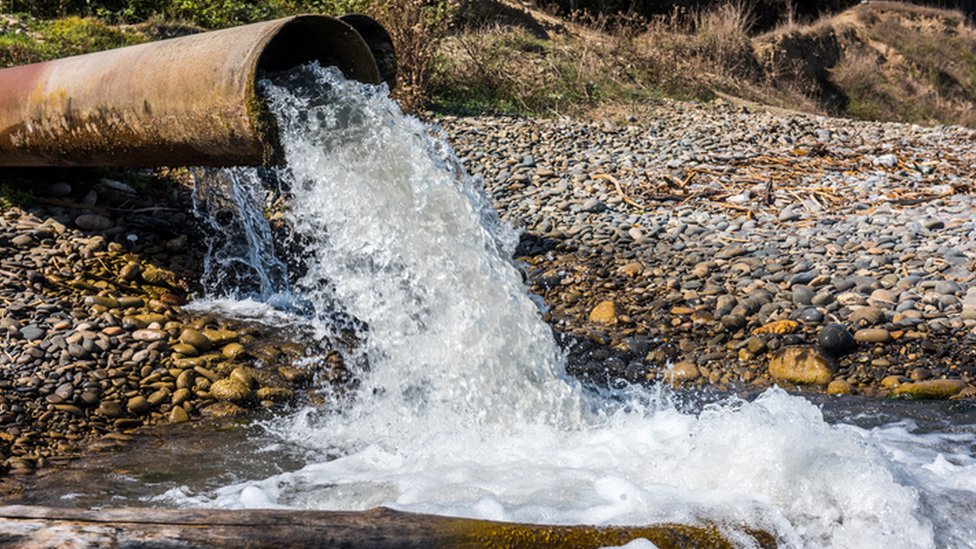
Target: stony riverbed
(745, 247)
(94, 340)
(701, 244)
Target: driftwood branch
(30, 527)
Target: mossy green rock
(196, 339)
(219, 338)
(274, 394)
(185, 349)
(243, 375)
(930, 389)
(233, 350)
(230, 390)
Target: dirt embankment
(880, 60)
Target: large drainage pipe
(184, 101)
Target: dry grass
(417, 28)
(600, 60)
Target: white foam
(463, 408)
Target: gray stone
(32, 332)
(92, 222)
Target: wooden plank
(35, 527)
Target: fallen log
(34, 527)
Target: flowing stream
(463, 406)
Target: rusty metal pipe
(183, 101)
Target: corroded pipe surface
(183, 101)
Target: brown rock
(840, 387)
(276, 394)
(683, 371)
(178, 415)
(872, 335)
(632, 269)
(230, 390)
(149, 335)
(195, 339)
(232, 350)
(802, 365)
(180, 396)
(138, 405)
(930, 389)
(219, 338)
(890, 382)
(222, 409)
(604, 313)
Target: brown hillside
(880, 60)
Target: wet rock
(178, 415)
(840, 387)
(930, 389)
(130, 272)
(195, 339)
(110, 409)
(219, 338)
(274, 394)
(138, 405)
(185, 349)
(836, 340)
(223, 410)
(230, 390)
(683, 371)
(802, 365)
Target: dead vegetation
(880, 61)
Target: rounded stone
(274, 394)
(683, 371)
(92, 222)
(195, 339)
(230, 390)
(930, 389)
(802, 365)
(604, 313)
(840, 387)
(811, 316)
(178, 415)
(872, 335)
(233, 350)
(138, 405)
(836, 340)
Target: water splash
(464, 408)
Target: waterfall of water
(465, 408)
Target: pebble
(872, 335)
(92, 222)
(840, 387)
(604, 313)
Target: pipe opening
(327, 40)
(331, 42)
(379, 42)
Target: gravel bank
(715, 244)
(704, 244)
(94, 342)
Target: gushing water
(463, 406)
